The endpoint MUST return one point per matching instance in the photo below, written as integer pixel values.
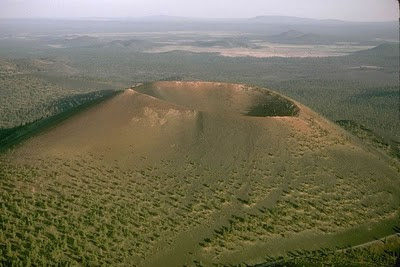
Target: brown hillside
(175, 173)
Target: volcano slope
(192, 173)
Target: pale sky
(354, 10)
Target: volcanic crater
(182, 173)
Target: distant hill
(383, 50)
(79, 41)
(291, 20)
(297, 37)
(258, 19)
(126, 42)
(132, 43)
(164, 18)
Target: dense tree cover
(384, 252)
(27, 94)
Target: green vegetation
(85, 211)
(384, 252)
(369, 137)
(31, 90)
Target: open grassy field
(180, 173)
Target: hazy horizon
(187, 18)
(353, 10)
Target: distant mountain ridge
(291, 20)
(298, 37)
(383, 50)
(271, 19)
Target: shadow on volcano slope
(175, 173)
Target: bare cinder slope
(176, 173)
